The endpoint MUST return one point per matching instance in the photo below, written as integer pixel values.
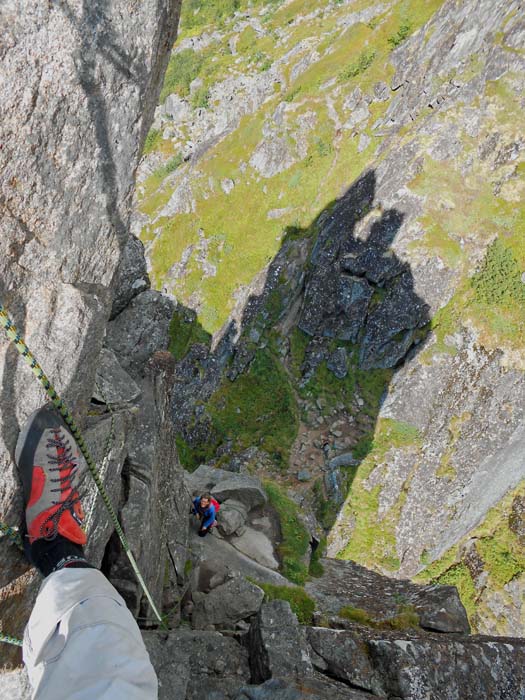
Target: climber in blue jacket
(205, 508)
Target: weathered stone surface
(346, 459)
(131, 277)
(232, 516)
(390, 328)
(403, 665)
(338, 363)
(72, 125)
(102, 433)
(211, 548)
(277, 644)
(204, 478)
(314, 688)
(113, 385)
(257, 546)
(242, 488)
(235, 600)
(154, 518)
(344, 583)
(193, 665)
(140, 330)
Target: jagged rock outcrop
(380, 600)
(80, 83)
(197, 665)
(403, 665)
(278, 644)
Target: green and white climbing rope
(19, 343)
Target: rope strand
(19, 343)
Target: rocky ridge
(246, 641)
(77, 105)
(384, 180)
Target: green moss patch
(184, 66)
(295, 538)
(405, 618)
(258, 409)
(184, 331)
(300, 602)
(500, 554)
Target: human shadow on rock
(337, 305)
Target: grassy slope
(243, 239)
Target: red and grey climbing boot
(50, 466)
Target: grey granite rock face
(154, 513)
(197, 665)
(235, 600)
(113, 385)
(140, 329)
(79, 86)
(277, 644)
(316, 687)
(131, 277)
(245, 489)
(413, 667)
(233, 516)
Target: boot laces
(66, 466)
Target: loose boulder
(235, 600)
(244, 489)
(232, 517)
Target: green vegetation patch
(370, 384)
(460, 577)
(499, 280)
(295, 538)
(184, 331)
(500, 560)
(258, 409)
(500, 553)
(372, 541)
(405, 618)
(184, 66)
(300, 602)
(191, 457)
(153, 139)
(360, 65)
(405, 29)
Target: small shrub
(355, 615)
(169, 167)
(292, 94)
(405, 618)
(323, 148)
(498, 282)
(401, 34)
(201, 98)
(152, 141)
(300, 602)
(363, 62)
(183, 67)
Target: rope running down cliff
(19, 343)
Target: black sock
(58, 553)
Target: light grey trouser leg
(82, 643)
